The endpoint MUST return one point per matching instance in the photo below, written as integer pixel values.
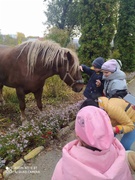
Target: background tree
(59, 35)
(20, 37)
(98, 23)
(62, 14)
(8, 40)
(125, 37)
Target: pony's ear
(69, 56)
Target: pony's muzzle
(78, 85)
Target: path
(44, 164)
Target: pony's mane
(50, 51)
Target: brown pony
(25, 67)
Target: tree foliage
(12, 39)
(98, 23)
(125, 37)
(58, 35)
(7, 40)
(62, 14)
(20, 37)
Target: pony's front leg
(21, 97)
(38, 96)
(2, 102)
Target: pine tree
(125, 37)
(98, 20)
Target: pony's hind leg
(2, 101)
(38, 96)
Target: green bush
(115, 54)
(56, 89)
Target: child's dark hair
(89, 102)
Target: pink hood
(93, 126)
(79, 163)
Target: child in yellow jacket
(122, 120)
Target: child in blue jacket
(94, 87)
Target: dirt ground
(42, 166)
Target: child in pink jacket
(96, 154)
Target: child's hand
(98, 83)
(81, 68)
(133, 107)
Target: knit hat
(110, 65)
(98, 62)
(93, 126)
